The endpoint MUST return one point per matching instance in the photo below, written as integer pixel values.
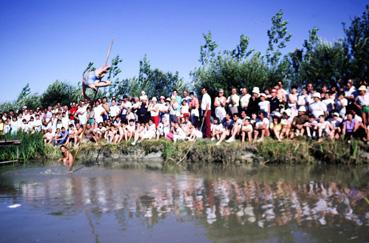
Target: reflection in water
(218, 200)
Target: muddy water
(275, 204)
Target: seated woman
(94, 80)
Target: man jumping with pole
(94, 78)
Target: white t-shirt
(65, 122)
(206, 101)
(317, 108)
(245, 100)
(264, 105)
(98, 110)
(114, 111)
(154, 110)
(82, 116)
(363, 100)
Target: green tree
(301, 55)
(278, 38)
(357, 43)
(207, 51)
(59, 92)
(326, 63)
(154, 82)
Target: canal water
(270, 204)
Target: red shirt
(72, 112)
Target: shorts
(365, 109)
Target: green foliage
(325, 63)
(357, 42)
(60, 92)
(32, 146)
(153, 81)
(278, 39)
(227, 72)
(25, 98)
(207, 51)
(226, 69)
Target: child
(246, 129)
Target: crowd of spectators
(335, 112)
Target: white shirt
(82, 116)
(98, 110)
(206, 102)
(245, 100)
(65, 122)
(317, 108)
(264, 105)
(114, 111)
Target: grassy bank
(32, 146)
(203, 152)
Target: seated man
(298, 123)
(93, 80)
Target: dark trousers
(206, 129)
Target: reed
(32, 146)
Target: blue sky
(45, 40)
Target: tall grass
(32, 146)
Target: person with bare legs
(94, 80)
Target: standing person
(253, 107)
(194, 107)
(82, 113)
(274, 101)
(219, 104)
(67, 158)
(154, 111)
(281, 92)
(233, 101)
(72, 111)
(94, 80)
(186, 97)
(362, 102)
(206, 112)
(244, 100)
(114, 110)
